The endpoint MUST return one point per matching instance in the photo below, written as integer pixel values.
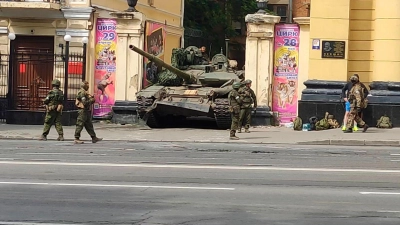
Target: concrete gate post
(129, 63)
(259, 55)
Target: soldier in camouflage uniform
(84, 102)
(235, 103)
(356, 99)
(54, 106)
(249, 97)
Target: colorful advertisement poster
(286, 69)
(155, 45)
(105, 67)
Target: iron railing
(25, 84)
(49, 1)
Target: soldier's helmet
(56, 83)
(247, 81)
(236, 85)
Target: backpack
(298, 124)
(384, 122)
(313, 120)
(323, 124)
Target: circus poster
(105, 67)
(285, 82)
(155, 45)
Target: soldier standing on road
(356, 99)
(235, 103)
(249, 97)
(54, 106)
(84, 102)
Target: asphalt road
(197, 184)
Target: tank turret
(188, 78)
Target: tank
(199, 89)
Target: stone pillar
(129, 63)
(77, 25)
(330, 21)
(4, 50)
(259, 54)
(386, 41)
(304, 52)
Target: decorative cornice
(262, 18)
(81, 13)
(128, 16)
(3, 30)
(72, 32)
(302, 20)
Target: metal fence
(25, 84)
(50, 1)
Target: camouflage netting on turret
(166, 77)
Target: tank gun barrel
(187, 77)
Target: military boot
(60, 138)
(43, 138)
(240, 130)
(348, 130)
(365, 128)
(233, 136)
(96, 139)
(78, 141)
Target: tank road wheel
(153, 120)
(222, 114)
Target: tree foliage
(215, 17)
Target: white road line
(117, 186)
(56, 153)
(380, 193)
(201, 167)
(28, 223)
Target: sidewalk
(259, 135)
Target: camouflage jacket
(54, 97)
(248, 97)
(235, 101)
(85, 99)
(356, 96)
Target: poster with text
(105, 67)
(286, 67)
(155, 45)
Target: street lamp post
(85, 40)
(262, 5)
(67, 39)
(11, 37)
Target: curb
(352, 143)
(333, 142)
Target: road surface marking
(57, 153)
(28, 223)
(388, 211)
(201, 167)
(116, 185)
(380, 193)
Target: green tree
(214, 18)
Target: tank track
(222, 114)
(143, 104)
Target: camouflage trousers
(245, 118)
(235, 121)
(84, 120)
(354, 116)
(52, 118)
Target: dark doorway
(32, 73)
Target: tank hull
(157, 104)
